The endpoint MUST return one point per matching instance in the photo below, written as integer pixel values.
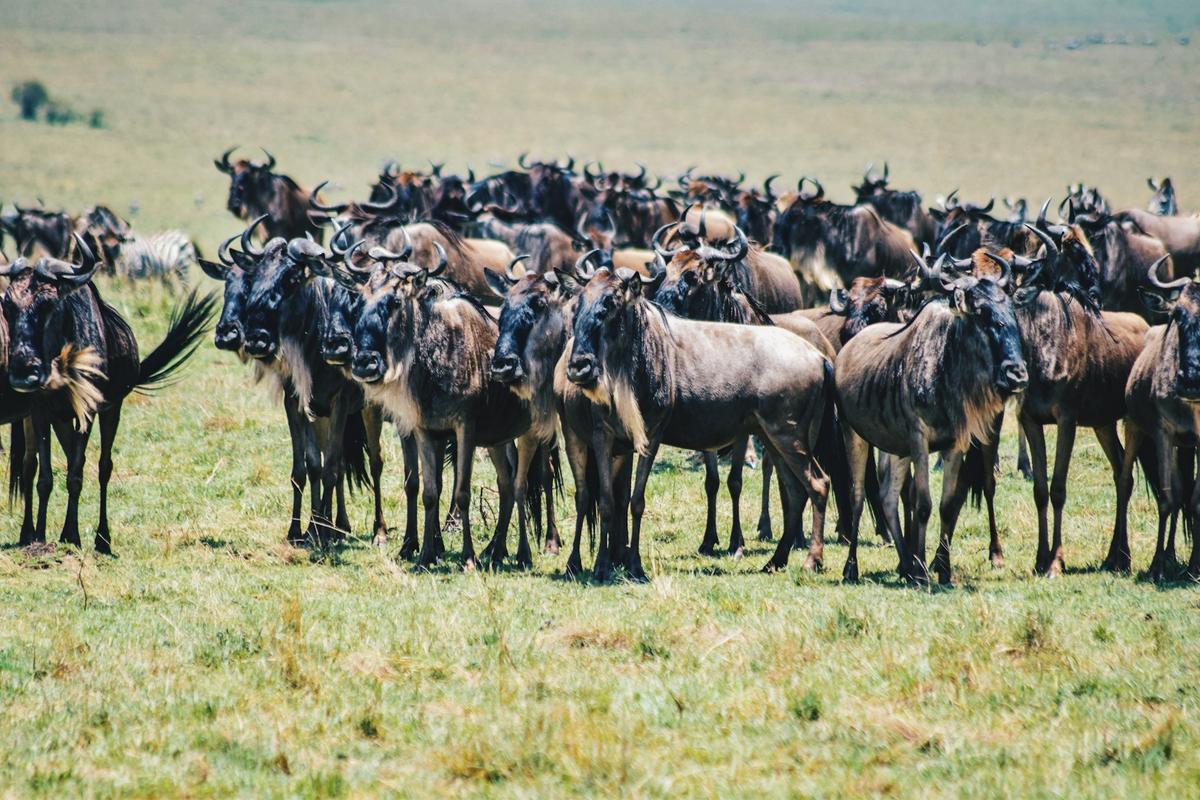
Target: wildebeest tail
(189, 323)
(591, 512)
(16, 459)
(535, 486)
(973, 473)
(831, 450)
(1187, 476)
(354, 453)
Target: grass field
(209, 659)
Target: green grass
(209, 659)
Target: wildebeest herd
(549, 309)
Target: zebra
(166, 255)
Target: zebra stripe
(164, 255)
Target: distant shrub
(30, 96)
(96, 118)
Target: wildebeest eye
(537, 302)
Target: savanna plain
(211, 659)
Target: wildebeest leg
(577, 457)
(462, 486)
(990, 452)
(1168, 500)
(341, 525)
(890, 480)
(1058, 491)
(373, 422)
(874, 495)
(737, 542)
(858, 455)
(922, 505)
(549, 469)
(412, 489)
(332, 465)
(497, 549)
(789, 488)
(764, 514)
(527, 451)
(811, 480)
(74, 443)
(1119, 558)
(430, 449)
(1023, 465)
(602, 452)
(712, 485)
(637, 507)
(299, 474)
(45, 478)
(618, 539)
(954, 492)
(1193, 511)
(1041, 490)
(28, 473)
(110, 420)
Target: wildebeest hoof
(637, 574)
(765, 535)
(707, 549)
(997, 560)
(1120, 563)
(552, 547)
(773, 566)
(737, 554)
(574, 568)
(602, 573)
(813, 564)
(850, 571)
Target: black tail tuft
(591, 513)
(16, 459)
(831, 452)
(189, 322)
(535, 485)
(354, 453)
(973, 473)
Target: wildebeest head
(692, 271)
(1180, 300)
(605, 321)
(251, 183)
(1163, 200)
(985, 304)
(532, 326)
(866, 302)
(108, 231)
(32, 305)
(281, 269)
(755, 211)
(388, 289)
(231, 269)
(871, 185)
(1018, 210)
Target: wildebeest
(903, 208)
(421, 350)
(1161, 396)
(1162, 202)
(834, 244)
(547, 245)
(1079, 359)
(965, 227)
(39, 232)
(51, 307)
(933, 383)
(1180, 235)
(654, 379)
(1124, 254)
(254, 191)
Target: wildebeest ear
(497, 282)
(938, 214)
(214, 271)
(961, 301)
(567, 280)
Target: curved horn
(436, 169)
(740, 247)
(440, 266)
(1151, 184)
(224, 164)
(988, 208)
(270, 165)
(891, 285)
(360, 273)
(641, 176)
(820, 189)
(570, 163)
(508, 271)
(885, 172)
(247, 243)
(1046, 238)
(837, 303)
(941, 246)
(656, 241)
(1152, 276)
(313, 202)
(867, 172)
(587, 174)
(337, 234)
(223, 251)
(581, 270)
(1041, 217)
(382, 205)
(702, 230)
(1006, 268)
(951, 199)
(521, 161)
(767, 186)
(382, 254)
